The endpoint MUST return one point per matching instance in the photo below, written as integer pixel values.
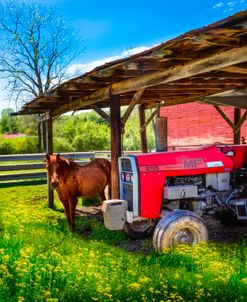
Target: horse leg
(102, 196)
(67, 212)
(72, 207)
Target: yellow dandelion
(135, 286)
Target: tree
(37, 45)
(7, 124)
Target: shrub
(18, 145)
(62, 145)
(92, 136)
(5, 146)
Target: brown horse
(72, 180)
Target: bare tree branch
(37, 46)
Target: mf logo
(193, 163)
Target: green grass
(40, 260)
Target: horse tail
(108, 172)
(109, 183)
(107, 168)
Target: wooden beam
(132, 104)
(143, 134)
(172, 102)
(116, 129)
(188, 87)
(235, 69)
(238, 122)
(225, 117)
(237, 102)
(102, 113)
(241, 121)
(214, 62)
(211, 75)
(158, 105)
(148, 120)
(95, 97)
(200, 66)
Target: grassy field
(41, 261)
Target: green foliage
(84, 132)
(62, 145)
(91, 136)
(6, 146)
(88, 131)
(41, 261)
(131, 138)
(18, 145)
(27, 124)
(80, 132)
(8, 124)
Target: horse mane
(69, 163)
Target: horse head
(56, 166)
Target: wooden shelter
(189, 68)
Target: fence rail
(24, 166)
(26, 171)
(41, 156)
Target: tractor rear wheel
(179, 227)
(138, 229)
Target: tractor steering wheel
(224, 148)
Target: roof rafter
(214, 62)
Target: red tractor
(168, 192)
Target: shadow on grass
(22, 183)
(90, 227)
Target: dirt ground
(218, 232)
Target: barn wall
(198, 124)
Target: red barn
(199, 124)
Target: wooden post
(49, 149)
(160, 131)
(39, 137)
(116, 129)
(143, 134)
(161, 134)
(44, 126)
(236, 134)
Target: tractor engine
(207, 193)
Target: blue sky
(110, 28)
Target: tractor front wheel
(179, 227)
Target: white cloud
(76, 69)
(231, 3)
(218, 5)
(228, 6)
